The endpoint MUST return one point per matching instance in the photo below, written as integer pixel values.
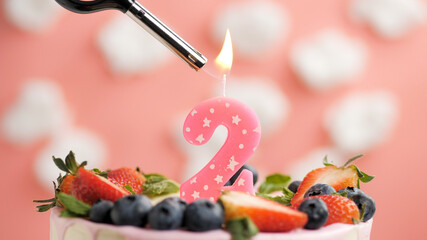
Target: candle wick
(224, 82)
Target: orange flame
(225, 57)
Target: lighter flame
(225, 57)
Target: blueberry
(168, 214)
(317, 212)
(319, 189)
(363, 201)
(131, 210)
(100, 211)
(294, 186)
(236, 175)
(203, 215)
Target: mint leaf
(74, 205)
(156, 185)
(68, 214)
(284, 199)
(241, 228)
(274, 182)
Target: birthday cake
(127, 204)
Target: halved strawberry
(89, 187)
(337, 177)
(267, 215)
(340, 209)
(66, 184)
(127, 176)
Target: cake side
(78, 228)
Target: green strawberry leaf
(352, 159)
(156, 185)
(70, 162)
(60, 164)
(74, 205)
(241, 228)
(326, 163)
(274, 182)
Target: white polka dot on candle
(211, 198)
(227, 105)
(241, 146)
(212, 166)
(212, 110)
(205, 187)
(244, 131)
(183, 194)
(187, 129)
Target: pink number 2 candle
(244, 133)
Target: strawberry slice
(267, 215)
(89, 187)
(66, 184)
(337, 177)
(340, 209)
(127, 176)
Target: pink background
(133, 113)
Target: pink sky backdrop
(133, 114)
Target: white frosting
(76, 228)
(328, 59)
(129, 48)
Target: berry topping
(203, 215)
(319, 189)
(100, 211)
(340, 209)
(317, 212)
(336, 177)
(89, 187)
(236, 175)
(267, 215)
(127, 176)
(131, 210)
(293, 187)
(363, 201)
(167, 215)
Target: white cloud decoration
(390, 18)
(31, 15)
(328, 59)
(39, 111)
(361, 120)
(85, 145)
(130, 49)
(255, 26)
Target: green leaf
(74, 205)
(103, 174)
(326, 163)
(353, 159)
(241, 228)
(156, 185)
(60, 164)
(274, 182)
(362, 176)
(45, 207)
(68, 214)
(129, 188)
(70, 162)
(284, 199)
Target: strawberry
(127, 176)
(336, 177)
(340, 209)
(66, 184)
(89, 187)
(267, 215)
